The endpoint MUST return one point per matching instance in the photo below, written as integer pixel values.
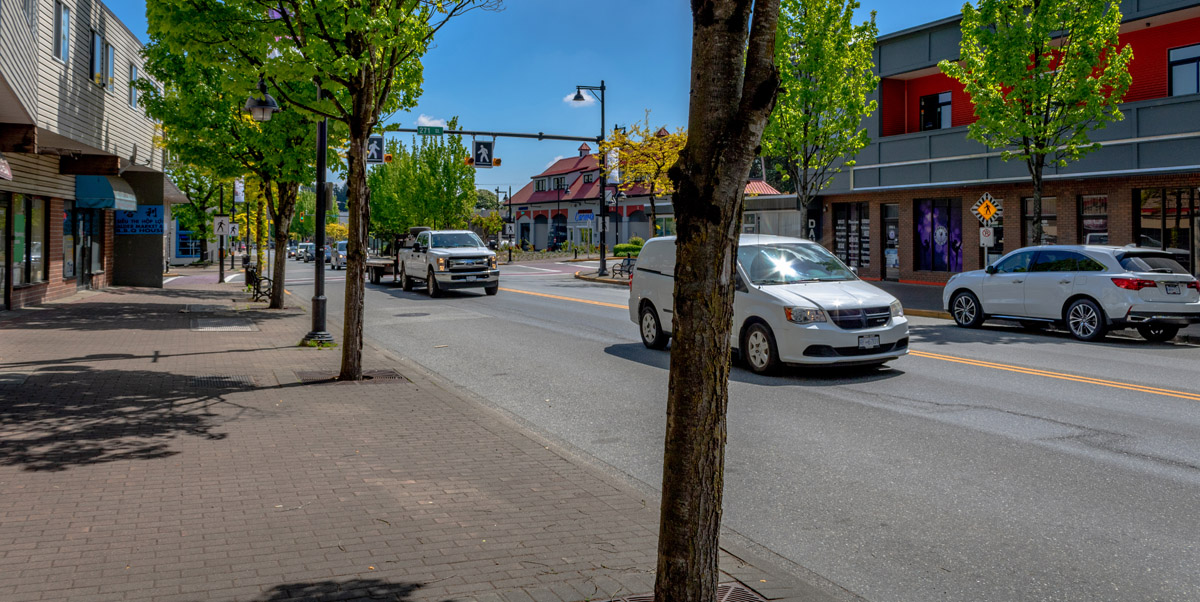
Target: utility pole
(221, 240)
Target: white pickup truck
(448, 259)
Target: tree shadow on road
(69, 416)
(341, 591)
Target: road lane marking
(549, 296)
(1058, 375)
(529, 267)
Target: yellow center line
(548, 296)
(1058, 375)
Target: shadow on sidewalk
(76, 416)
(353, 589)
(98, 315)
(113, 357)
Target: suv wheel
(1086, 320)
(966, 310)
(652, 335)
(1158, 333)
(759, 350)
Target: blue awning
(104, 192)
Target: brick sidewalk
(144, 458)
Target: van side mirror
(991, 269)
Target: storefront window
(665, 226)
(994, 252)
(3, 245)
(1093, 219)
(37, 240)
(20, 246)
(1149, 218)
(939, 235)
(851, 234)
(1166, 219)
(1049, 222)
(68, 246)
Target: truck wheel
(405, 281)
(431, 286)
(491, 290)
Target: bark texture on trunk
(1037, 167)
(282, 211)
(259, 232)
(357, 202)
(734, 83)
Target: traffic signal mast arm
(537, 136)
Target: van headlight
(897, 309)
(441, 264)
(804, 315)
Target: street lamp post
(603, 170)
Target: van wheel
(759, 349)
(652, 335)
(1086, 320)
(405, 281)
(431, 285)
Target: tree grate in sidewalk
(197, 308)
(222, 325)
(330, 378)
(13, 378)
(223, 381)
(726, 592)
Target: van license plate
(868, 341)
(1172, 288)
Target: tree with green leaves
(825, 68)
(486, 200)
(200, 107)
(1042, 74)
(364, 57)
(201, 188)
(427, 184)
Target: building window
(1184, 70)
(539, 185)
(1049, 221)
(1165, 219)
(851, 233)
(110, 61)
(68, 239)
(97, 59)
(939, 235)
(1093, 219)
(30, 231)
(62, 32)
(560, 183)
(132, 90)
(31, 12)
(587, 178)
(935, 111)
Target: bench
(624, 267)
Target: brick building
(81, 183)
(904, 210)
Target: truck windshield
(788, 263)
(451, 240)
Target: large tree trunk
(1036, 169)
(356, 182)
(282, 211)
(734, 83)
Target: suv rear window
(1160, 263)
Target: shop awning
(104, 192)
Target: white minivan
(794, 303)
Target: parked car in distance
(794, 303)
(291, 250)
(1089, 289)
(306, 251)
(338, 261)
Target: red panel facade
(891, 107)
(1150, 46)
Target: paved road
(988, 465)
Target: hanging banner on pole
(239, 191)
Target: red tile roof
(760, 187)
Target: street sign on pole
(429, 130)
(233, 230)
(482, 152)
(221, 225)
(986, 209)
(987, 237)
(375, 149)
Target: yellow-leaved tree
(645, 156)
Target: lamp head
(261, 109)
(578, 95)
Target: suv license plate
(1172, 288)
(868, 341)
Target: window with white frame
(110, 61)
(97, 71)
(587, 178)
(132, 90)
(62, 32)
(1184, 70)
(560, 182)
(539, 185)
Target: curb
(927, 313)
(616, 281)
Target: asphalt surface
(992, 464)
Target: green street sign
(429, 130)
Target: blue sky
(510, 71)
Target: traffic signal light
(387, 157)
(496, 161)
(469, 160)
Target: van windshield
(451, 240)
(788, 263)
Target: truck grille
(857, 319)
(469, 264)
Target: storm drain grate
(330, 378)
(199, 308)
(13, 378)
(222, 325)
(224, 381)
(726, 592)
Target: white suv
(1089, 289)
(794, 303)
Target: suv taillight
(1134, 284)
(1195, 285)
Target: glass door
(891, 241)
(3, 251)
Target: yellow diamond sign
(986, 209)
